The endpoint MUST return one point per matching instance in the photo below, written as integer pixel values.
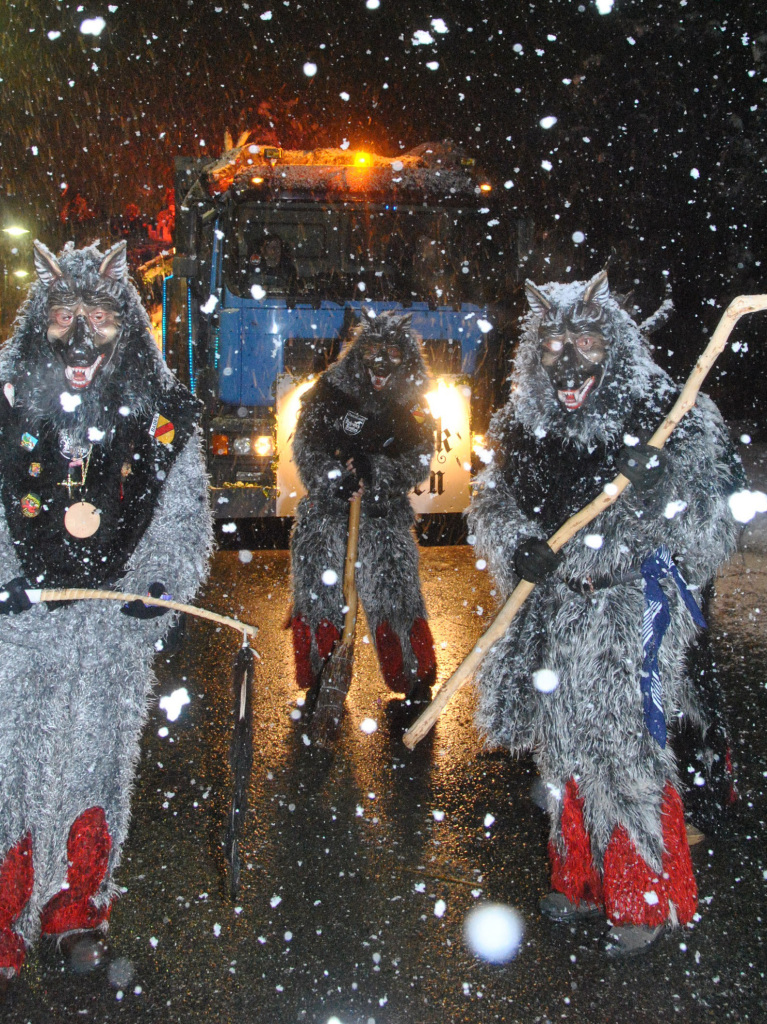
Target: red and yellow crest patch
(162, 430)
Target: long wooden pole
(350, 576)
(81, 594)
(737, 308)
(337, 673)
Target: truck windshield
(362, 251)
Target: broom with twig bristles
(337, 673)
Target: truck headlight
(241, 446)
(263, 446)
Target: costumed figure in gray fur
(581, 677)
(365, 422)
(103, 486)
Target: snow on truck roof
(437, 168)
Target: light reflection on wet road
(346, 857)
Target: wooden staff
(337, 673)
(81, 594)
(737, 308)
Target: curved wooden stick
(81, 594)
(737, 308)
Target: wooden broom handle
(737, 308)
(350, 585)
(80, 594)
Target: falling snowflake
(545, 680)
(493, 932)
(174, 702)
(69, 402)
(673, 508)
(745, 504)
(92, 26)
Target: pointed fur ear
(115, 263)
(46, 264)
(597, 290)
(538, 301)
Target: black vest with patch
(347, 427)
(123, 480)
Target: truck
(278, 253)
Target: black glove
(17, 600)
(361, 466)
(534, 560)
(642, 465)
(345, 485)
(138, 610)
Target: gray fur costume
(617, 836)
(386, 435)
(75, 679)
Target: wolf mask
(382, 362)
(84, 315)
(83, 349)
(582, 363)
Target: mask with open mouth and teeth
(84, 324)
(382, 358)
(573, 345)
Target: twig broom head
(334, 685)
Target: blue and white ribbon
(654, 625)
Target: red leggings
(628, 889)
(72, 908)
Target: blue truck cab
(277, 256)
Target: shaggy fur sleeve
(313, 448)
(688, 510)
(176, 548)
(692, 514)
(397, 475)
(494, 517)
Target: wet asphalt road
(345, 859)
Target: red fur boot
(637, 895)
(326, 638)
(574, 874)
(422, 643)
(392, 663)
(16, 879)
(390, 659)
(88, 849)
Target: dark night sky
(658, 152)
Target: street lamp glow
(15, 231)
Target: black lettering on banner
(437, 482)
